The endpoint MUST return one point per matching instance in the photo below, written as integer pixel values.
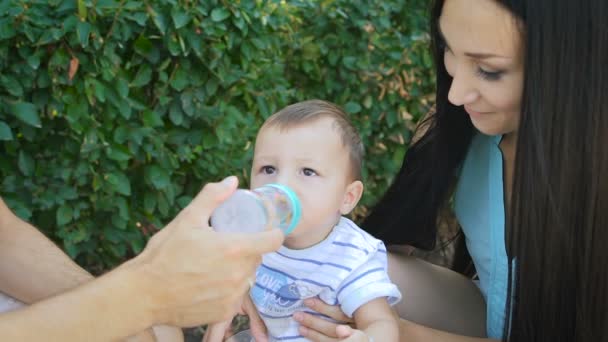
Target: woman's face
(483, 54)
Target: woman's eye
(309, 172)
(268, 170)
(489, 75)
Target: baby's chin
(305, 237)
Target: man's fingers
(257, 243)
(211, 196)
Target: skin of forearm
(31, 266)
(108, 309)
(383, 330)
(377, 320)
(412, 332)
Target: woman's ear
(352, 195)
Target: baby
(312, 148)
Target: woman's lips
(474, 112)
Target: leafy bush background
(113, 114)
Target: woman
(518, 144)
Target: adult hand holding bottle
(187, 275)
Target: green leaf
(183, 201)
(122, 87)
(352, 107)
(72, 250)
(163, 206)
(149, 202)
(368, 102)
(33, 61)
(11, 85)
(119, 222)
(83, 29)
(7, 28)
(100, 90)
(160, 21)
(173, 45)
(152, 119)
(124, 109)
(5, 132)
(219, 14)
(64, 215)
(26, 163)
(211, 86)
(137, 244)
(176, 114)
(263, 106)
(180, 79)
(143, 45)
(120, 183)
(118, 153)
(82, 10)
(140, 18)
(158, 176)
(123, 207)
(180, 17)
(186, 100)
(112, 234)
(26, 112)
(143, 76)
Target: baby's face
(312, 160)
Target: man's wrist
(138, 286)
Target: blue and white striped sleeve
(367, 282)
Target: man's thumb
(212, 195)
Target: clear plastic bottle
(269, 206)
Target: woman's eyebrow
(476, 55)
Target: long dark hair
(408, 211)
(557, 231)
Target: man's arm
(32, 267)
(100, 310)
(186, 275)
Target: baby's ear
(352, 195)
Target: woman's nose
(462, 90)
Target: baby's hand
(347, 334)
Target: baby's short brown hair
(307, 111)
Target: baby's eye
(309, 172)
(267, 169)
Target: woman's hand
(320, 330)
(347, 334)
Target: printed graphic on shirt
(278, 296)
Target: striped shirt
(348, 268)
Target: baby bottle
(269, 206)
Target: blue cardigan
(479, 207)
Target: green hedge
(114, 113)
